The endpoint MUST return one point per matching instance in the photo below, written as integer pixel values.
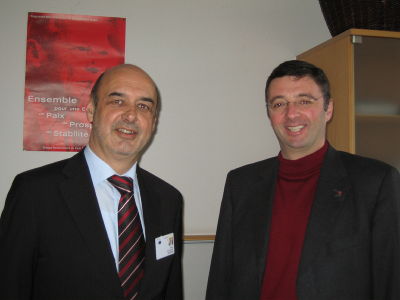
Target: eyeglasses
(303, 103)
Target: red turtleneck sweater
(295, 189)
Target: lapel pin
(338, 193)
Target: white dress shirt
(108, 196)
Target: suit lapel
(331, 192)
(150, 204)
(81, 200)
(263, 195)
(152, 219)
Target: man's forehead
(127, 77)
(295, 79)
(293, 84)
(128, 72)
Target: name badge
(165, 246)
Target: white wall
(210, 59)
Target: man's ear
(155, 122)
(329, 111)
(90, 111)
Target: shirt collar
(100, 170)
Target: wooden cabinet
(363, 67)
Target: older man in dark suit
(97, 226)
(312, 223)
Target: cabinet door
(377, 98)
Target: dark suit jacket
(53, 243)
(351, 249)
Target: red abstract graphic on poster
(65, 54)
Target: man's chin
(126, 151)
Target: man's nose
(292, 109)
(130, 113)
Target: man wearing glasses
(312, 223)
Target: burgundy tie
(130, 236)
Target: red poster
(64, 56)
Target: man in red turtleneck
(312, 223)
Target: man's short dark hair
(300, 69)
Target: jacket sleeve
(17, 243)
(219, 280)
(386, 239)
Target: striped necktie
(130, 236)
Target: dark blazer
(352, 243)
(53, 243)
